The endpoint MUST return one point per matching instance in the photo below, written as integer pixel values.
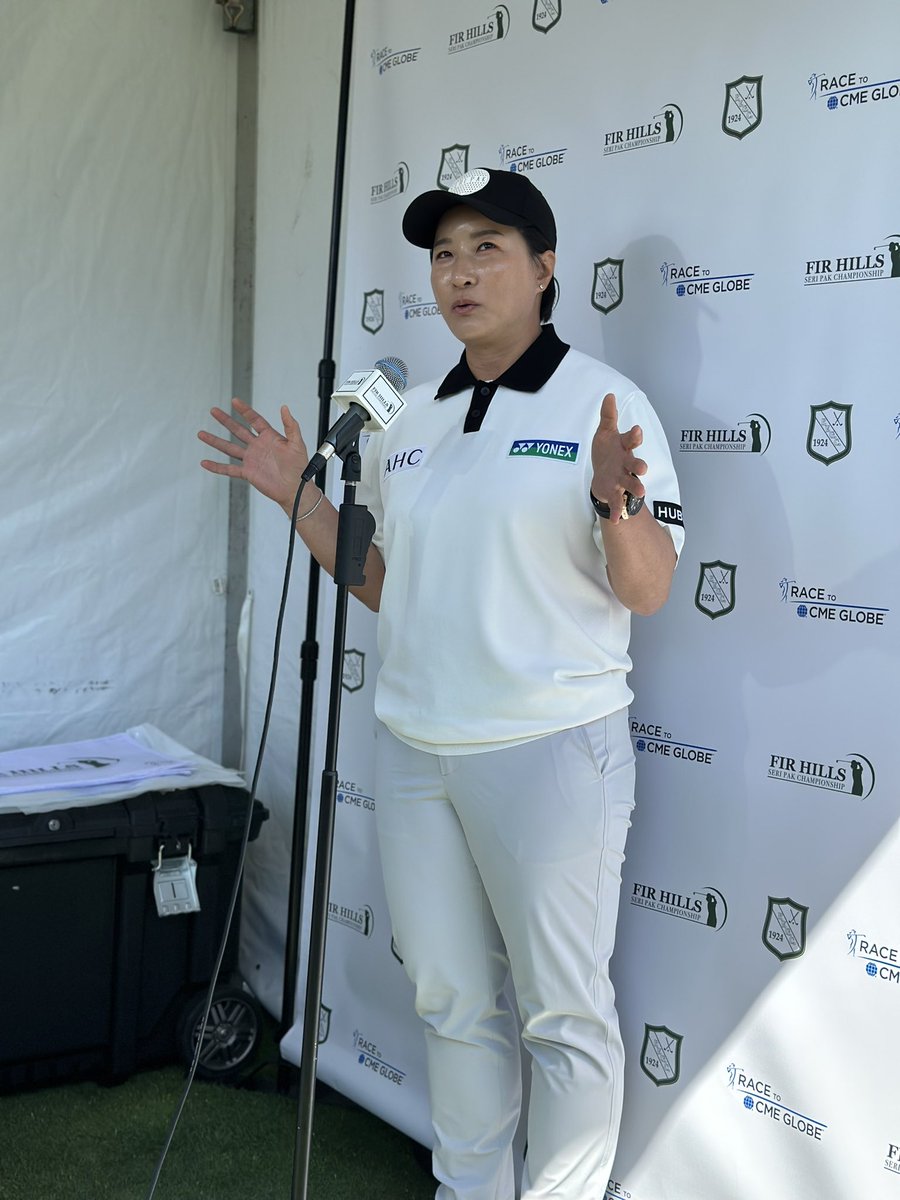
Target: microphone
(370, 400)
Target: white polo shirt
(497, 621)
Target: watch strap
(631, 506)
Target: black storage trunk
(92, 980)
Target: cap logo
(472, 181)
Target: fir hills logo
(493, 28)
(660, 128)
(395, 185)
(360, 920)
(852, 775)
(881, 261)
(751, 435)
(704, 906)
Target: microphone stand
(355, 528)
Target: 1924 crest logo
(353, 676)
(608, 286)
(373, 310)
(715, 588)
(661, 1054)
(324, 1023)
(546, 14)
(784, 929)
(743, 106)
(829, 438)
(454, 164)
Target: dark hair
(538, 244)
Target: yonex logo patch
(533, 448)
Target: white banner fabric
(726, 188)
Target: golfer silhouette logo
(760, 433)
(672, 120)
(892, 245)
(862, 775)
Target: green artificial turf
(89, 1142)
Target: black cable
(245, 841)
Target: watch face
(633, 504)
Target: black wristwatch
(631, 506)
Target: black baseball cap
(504, 196)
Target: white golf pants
(511, 860)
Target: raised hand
(616, 467)
(269, 461)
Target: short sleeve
(663, 497)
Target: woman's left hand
(616, 467)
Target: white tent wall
(116, 218)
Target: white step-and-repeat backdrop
(727, 188)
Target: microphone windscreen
(395, 371)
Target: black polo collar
(528, 373)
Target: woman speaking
(525, 506)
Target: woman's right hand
(270, 461)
